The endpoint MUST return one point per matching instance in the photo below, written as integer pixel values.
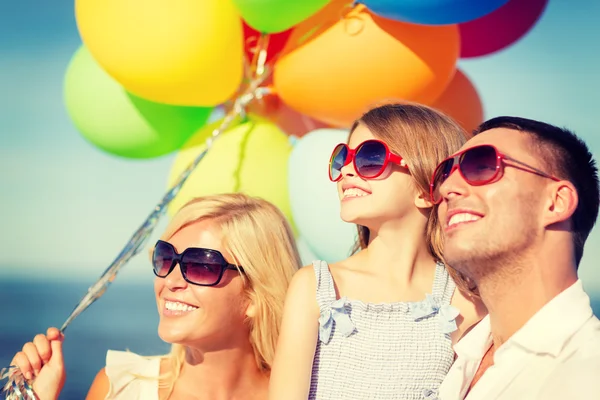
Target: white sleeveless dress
(382, 351)
(131, 376)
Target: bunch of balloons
(150, 73)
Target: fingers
(42, 345)
(33, 357)
(21, 361)
(56, 341)
(42, 350)
(54, 334)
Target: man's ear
(562, 203)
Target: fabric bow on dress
(335, 313)
(431, 306)
(429, 394)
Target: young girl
(380, 324)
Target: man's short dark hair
(567, 157)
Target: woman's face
(370, 202)
(206, 317)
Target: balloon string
(19, 388)
(258, 71)
(261, 54)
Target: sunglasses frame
(351, 158)
(179, 256)
(501, 161)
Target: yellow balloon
(251, 158)
(184, 52)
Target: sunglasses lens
(162, 259)
(337, 161)
(478, 165)
(202, 266)
(440, 175)
(370, 159)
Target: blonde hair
(423, 137)
(258, 236)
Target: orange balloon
(294, 123)
(461, 101)
(333, 69)
(291, 122)
(271, 107)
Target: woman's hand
(42, 361)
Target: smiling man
(518, 203)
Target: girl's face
(369, 202)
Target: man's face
(497, 221)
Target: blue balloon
(314, 199)
(433, 12)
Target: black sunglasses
(203, 267)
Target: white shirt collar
(475, 343)
(546, 332)
(552, 326)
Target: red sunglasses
(478, 166)
(370, 158)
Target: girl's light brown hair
(423, 137)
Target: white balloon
(314, 199)
(307, 255)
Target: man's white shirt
(555, 355)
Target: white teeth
(176, 306)
(462, 217)
(354, 192)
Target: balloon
(251, 158)
(187, 52)
(272, 16)
(290, 121)
(501, 28)
(276, 42)
(461, 101)
(350, 64)
(314, 199)
(307, 256)
(272, 108)
(433, 12)
(119, 122)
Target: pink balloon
(500, 28)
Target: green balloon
(272, 16)
(119, 122)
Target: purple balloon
(499, 29)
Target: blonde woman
(222, 268)
(380, 324)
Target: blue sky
(67, 208)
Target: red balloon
(276, 42)
(500, 28)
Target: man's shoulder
(585, 343)
(578, 371)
